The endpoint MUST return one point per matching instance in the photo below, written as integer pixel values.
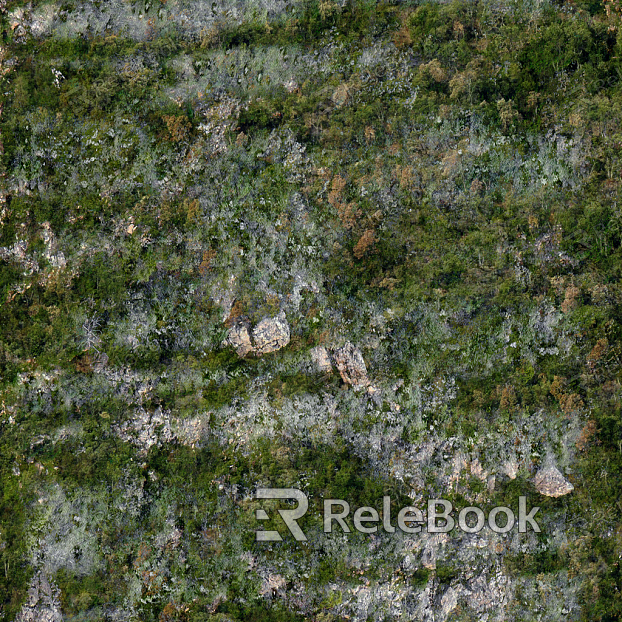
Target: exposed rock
(431, 550)
(449, 602)
(271, 334)
(217, 120)
(146, 429)
(191, 431)
(273, 585)
(428, 559)
(100, 361)
(458, 464)
(510, 468)
(478, 471)
(18, 254)
(320, 357)
(551, 483)
(351, 366)
(42, 21)
(43, 604)
(488, 593)
(240, 339)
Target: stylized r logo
(289, 516)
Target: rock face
(449, 602)
(43, 604)
(320, 357)
(351, 366)
(271, 334)
(551, 483)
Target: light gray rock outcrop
(271, 334)
(43, 603)
(551, 483)
(240, 339)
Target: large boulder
(271, 334)
(351, 366)
(551, 483)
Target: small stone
(551, 483)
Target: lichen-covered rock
(551, 483)
(351, 366)
(320, 357)
(43, 604)
(240, 339)
(146, 429)
(271, 334)
(449, 602)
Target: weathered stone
(551, 483)
(351, 366)
(510, 468)
(449, 602)
(43, 603)
(240, 339)
(271, 334)
(147, 429)
(320, 357)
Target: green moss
(420, 577)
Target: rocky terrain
(361, 249)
